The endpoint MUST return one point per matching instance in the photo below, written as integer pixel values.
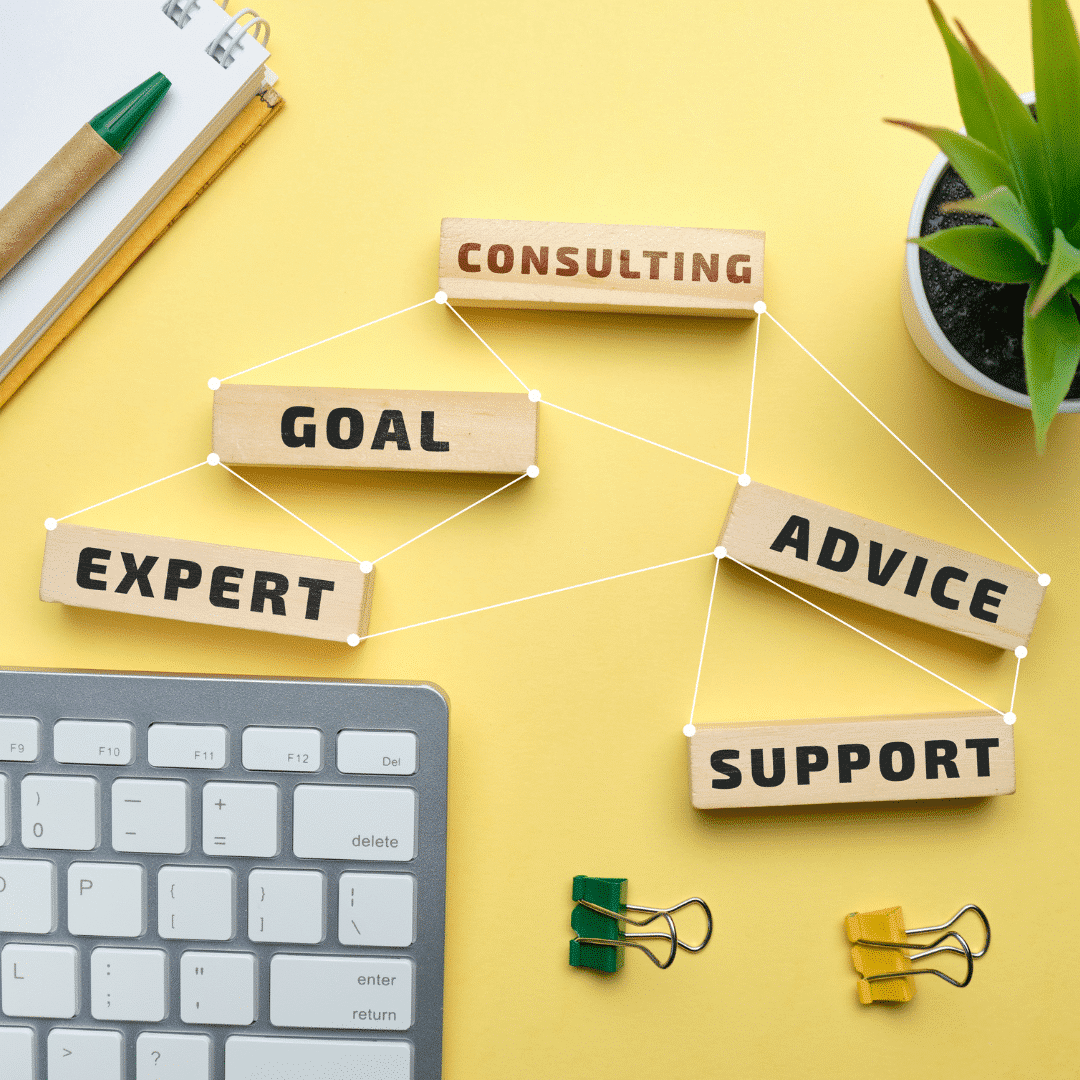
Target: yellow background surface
(566, 712)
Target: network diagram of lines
(768, 533)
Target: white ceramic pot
(938, 351)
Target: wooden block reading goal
(923, 579)
(206, 583)
(326, 428)
(874, 759)
(546, 264)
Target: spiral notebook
(62, 62)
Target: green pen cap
(123, 119)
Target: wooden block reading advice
(206, 583)
(545, 264)
(877, 564)
(326, 428)
(875, 759)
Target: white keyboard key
(287, 906)
(5, 813)
(17, 1056)
(240, 819)
(60, 812)
(20, 738)
(250, 1058)
(172, 1057)
(279, 749)
(354, 823)
(392, 752)
(150, 816)
(39, 980)
(93, 742)
(196, 903)
(128, 984)
(27, 897)
(341, 992)
(106, 899)
(80, 1055)
(187, 746)
(217, 988)
(377, 909)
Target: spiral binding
(223, 46)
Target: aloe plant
(1024, 174)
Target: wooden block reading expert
(874, 759)
(326, 428)
(206, 583)
(545, 264)
(879, 565)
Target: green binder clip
(597, 921)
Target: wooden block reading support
(546, 264)
(206, 583)
(326, 428)
(879, 565)
(875, 759)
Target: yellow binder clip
(881, 947)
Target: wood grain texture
(425, 430)
(889, 568)
(574, 267)
(206, 583)
(871, 759)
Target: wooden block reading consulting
(879, 565)
(206, 583)
(874, 759)
(327, 428)
(569, 267)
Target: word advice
(206, 583)
(875, 759)
(544, 264)
(323, 428)
(879, 565)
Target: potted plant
(993, 265)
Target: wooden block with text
(327, 428)
(910, 575)
(206, 583)
(873, 759)
(572, 267)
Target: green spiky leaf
(1020, 138)
(1002, 206)
(982, 252)
(1056, 52)
(970, 91)
(1064, 265)
(1051, 353)
(981, 169)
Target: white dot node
(1009, 718)
(760, 307)
(50, 524)
(213, 459)
(440, 297)
(534, 395)
(533, 471)
(744, 480)
(366, 567)
(688, 730)
(214, 384)
(1044, 580)
(720, 552)
(353, 640)
(1020, 651)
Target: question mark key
(172, 1057)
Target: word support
(206, 583)
(874, 759)
(570, 267)
(327, 428)
(883, 566)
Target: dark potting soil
(983, 320)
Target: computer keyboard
(213, 878)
